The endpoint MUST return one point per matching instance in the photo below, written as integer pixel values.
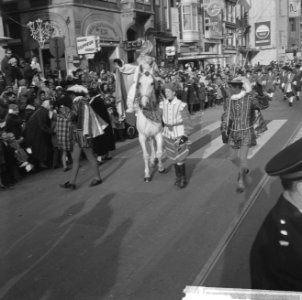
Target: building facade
(212, 31)
(276, 30)
(119, 25)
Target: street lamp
(41, 32)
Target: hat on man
(287, 163)
(170, 86)
(236, 80)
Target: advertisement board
(294, 8)
(263, 34)
(86, 44)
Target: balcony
(111, 4)
(138, 6)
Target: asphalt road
(127, 239)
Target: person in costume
(86, 125)
(276, 253)
(237, 125)
(289, 86)
(177, 128)
(145, 63)
(297, 81)
(269, 87)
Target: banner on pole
(263, 33)
(294, 8)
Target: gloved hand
(182, 140)
(225, 138)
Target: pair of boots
(180, 172)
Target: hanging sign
(263, 33)
(170, 51)
(294, 8)
(86, 44)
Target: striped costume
(239, 118)
(177, 123)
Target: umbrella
(78, 89)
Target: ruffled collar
(238, 96)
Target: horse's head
(146, 88)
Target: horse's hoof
(147, 179)
(163, 171)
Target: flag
(244, 3)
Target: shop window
(189, 17)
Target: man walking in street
(177, 128)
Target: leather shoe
(95, 182)
(68, 185)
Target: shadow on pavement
(232, 269)
(74, 256)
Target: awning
(165, 39)
(202, 56)
(244, 50)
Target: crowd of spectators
(34, 111)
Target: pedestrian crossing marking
(204, 131)
(273, 128)
(208, 149)
(202, 149)
(200, 133)
(215, 144)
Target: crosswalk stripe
(273, 127)
(204, 131)
(208, 149)
(200, 133)
(214, 145)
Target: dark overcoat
(105, 142)
(38, 134)
(276, 255)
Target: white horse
(149, 129)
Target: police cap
(287, 163)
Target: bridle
(146, 73)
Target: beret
(287, 163)
(171, 86)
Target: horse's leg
(159, 152)
(153, 151)
(142, 141)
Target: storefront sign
(263, 33)
(170, 51)
(86, 44)
(104, 30)
(214, 8)
(132, 45)
(294, 8)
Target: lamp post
(41, 32)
